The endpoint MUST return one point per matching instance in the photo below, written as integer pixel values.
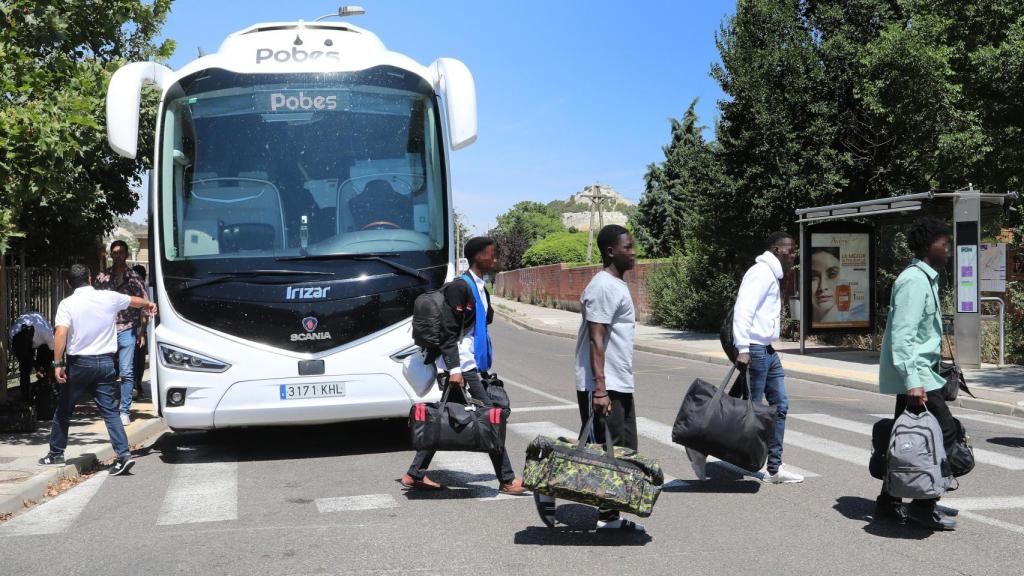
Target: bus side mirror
(123, 97)
(455, 83)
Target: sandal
(424, 483)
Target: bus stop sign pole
(966, 277)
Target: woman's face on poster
(824, 277)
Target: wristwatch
(58, 364)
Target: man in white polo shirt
(85, 330)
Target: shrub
(690, 293)
(557, 248)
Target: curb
(34, 489)
(982, 405)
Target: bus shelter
(840, 246)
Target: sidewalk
(998, 390)
(23, 480)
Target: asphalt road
(324, 500)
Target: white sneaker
(783, 476)
(125, 419)
(699, 462)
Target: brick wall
(560, 286)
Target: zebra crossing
(200, 492)
(202, 489)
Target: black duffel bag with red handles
(451, 426)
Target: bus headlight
(181, 359)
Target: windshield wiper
(381, 257)
(220, 276)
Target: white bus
(299, 202)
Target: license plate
(298, 391)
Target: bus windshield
(301, 165)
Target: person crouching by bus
(32, 343)
(85, 330)
(466, 354)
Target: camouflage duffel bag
(585, 473)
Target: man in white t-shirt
(604, 360)
(85, 330)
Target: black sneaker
(891, 509)
(121, 466)
(930, 518)
(52, 459)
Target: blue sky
(570, 92)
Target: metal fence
(32, 290)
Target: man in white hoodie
(755, 326)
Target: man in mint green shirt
(911, 351)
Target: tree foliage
(557, 248)
(60, 184)
(831, 101)
(519, 228)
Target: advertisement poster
(839, 283)
(993, 267)
(967, 278)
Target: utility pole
(597, 197)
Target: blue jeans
(97, 375)
(767, 381)
(126, 366)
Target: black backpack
(427, 320)
(726, 336)
(427, 329)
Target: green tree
(778, 124)
(58, 177)
(557, 248)
(832, 101)
(535, 218)
(519, 228)
(672, 189)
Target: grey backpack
(916, 460)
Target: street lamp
(344, 12)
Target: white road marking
(826, 447)
(834, 422)
(1009, 422)
(351, 503)
(57, 515)
(538, 392)
(544, 408)
(993, 522)
(200, 492)
(981, 455)
(473, 469)
(985, 503)
(662, 433)
(532, 429)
